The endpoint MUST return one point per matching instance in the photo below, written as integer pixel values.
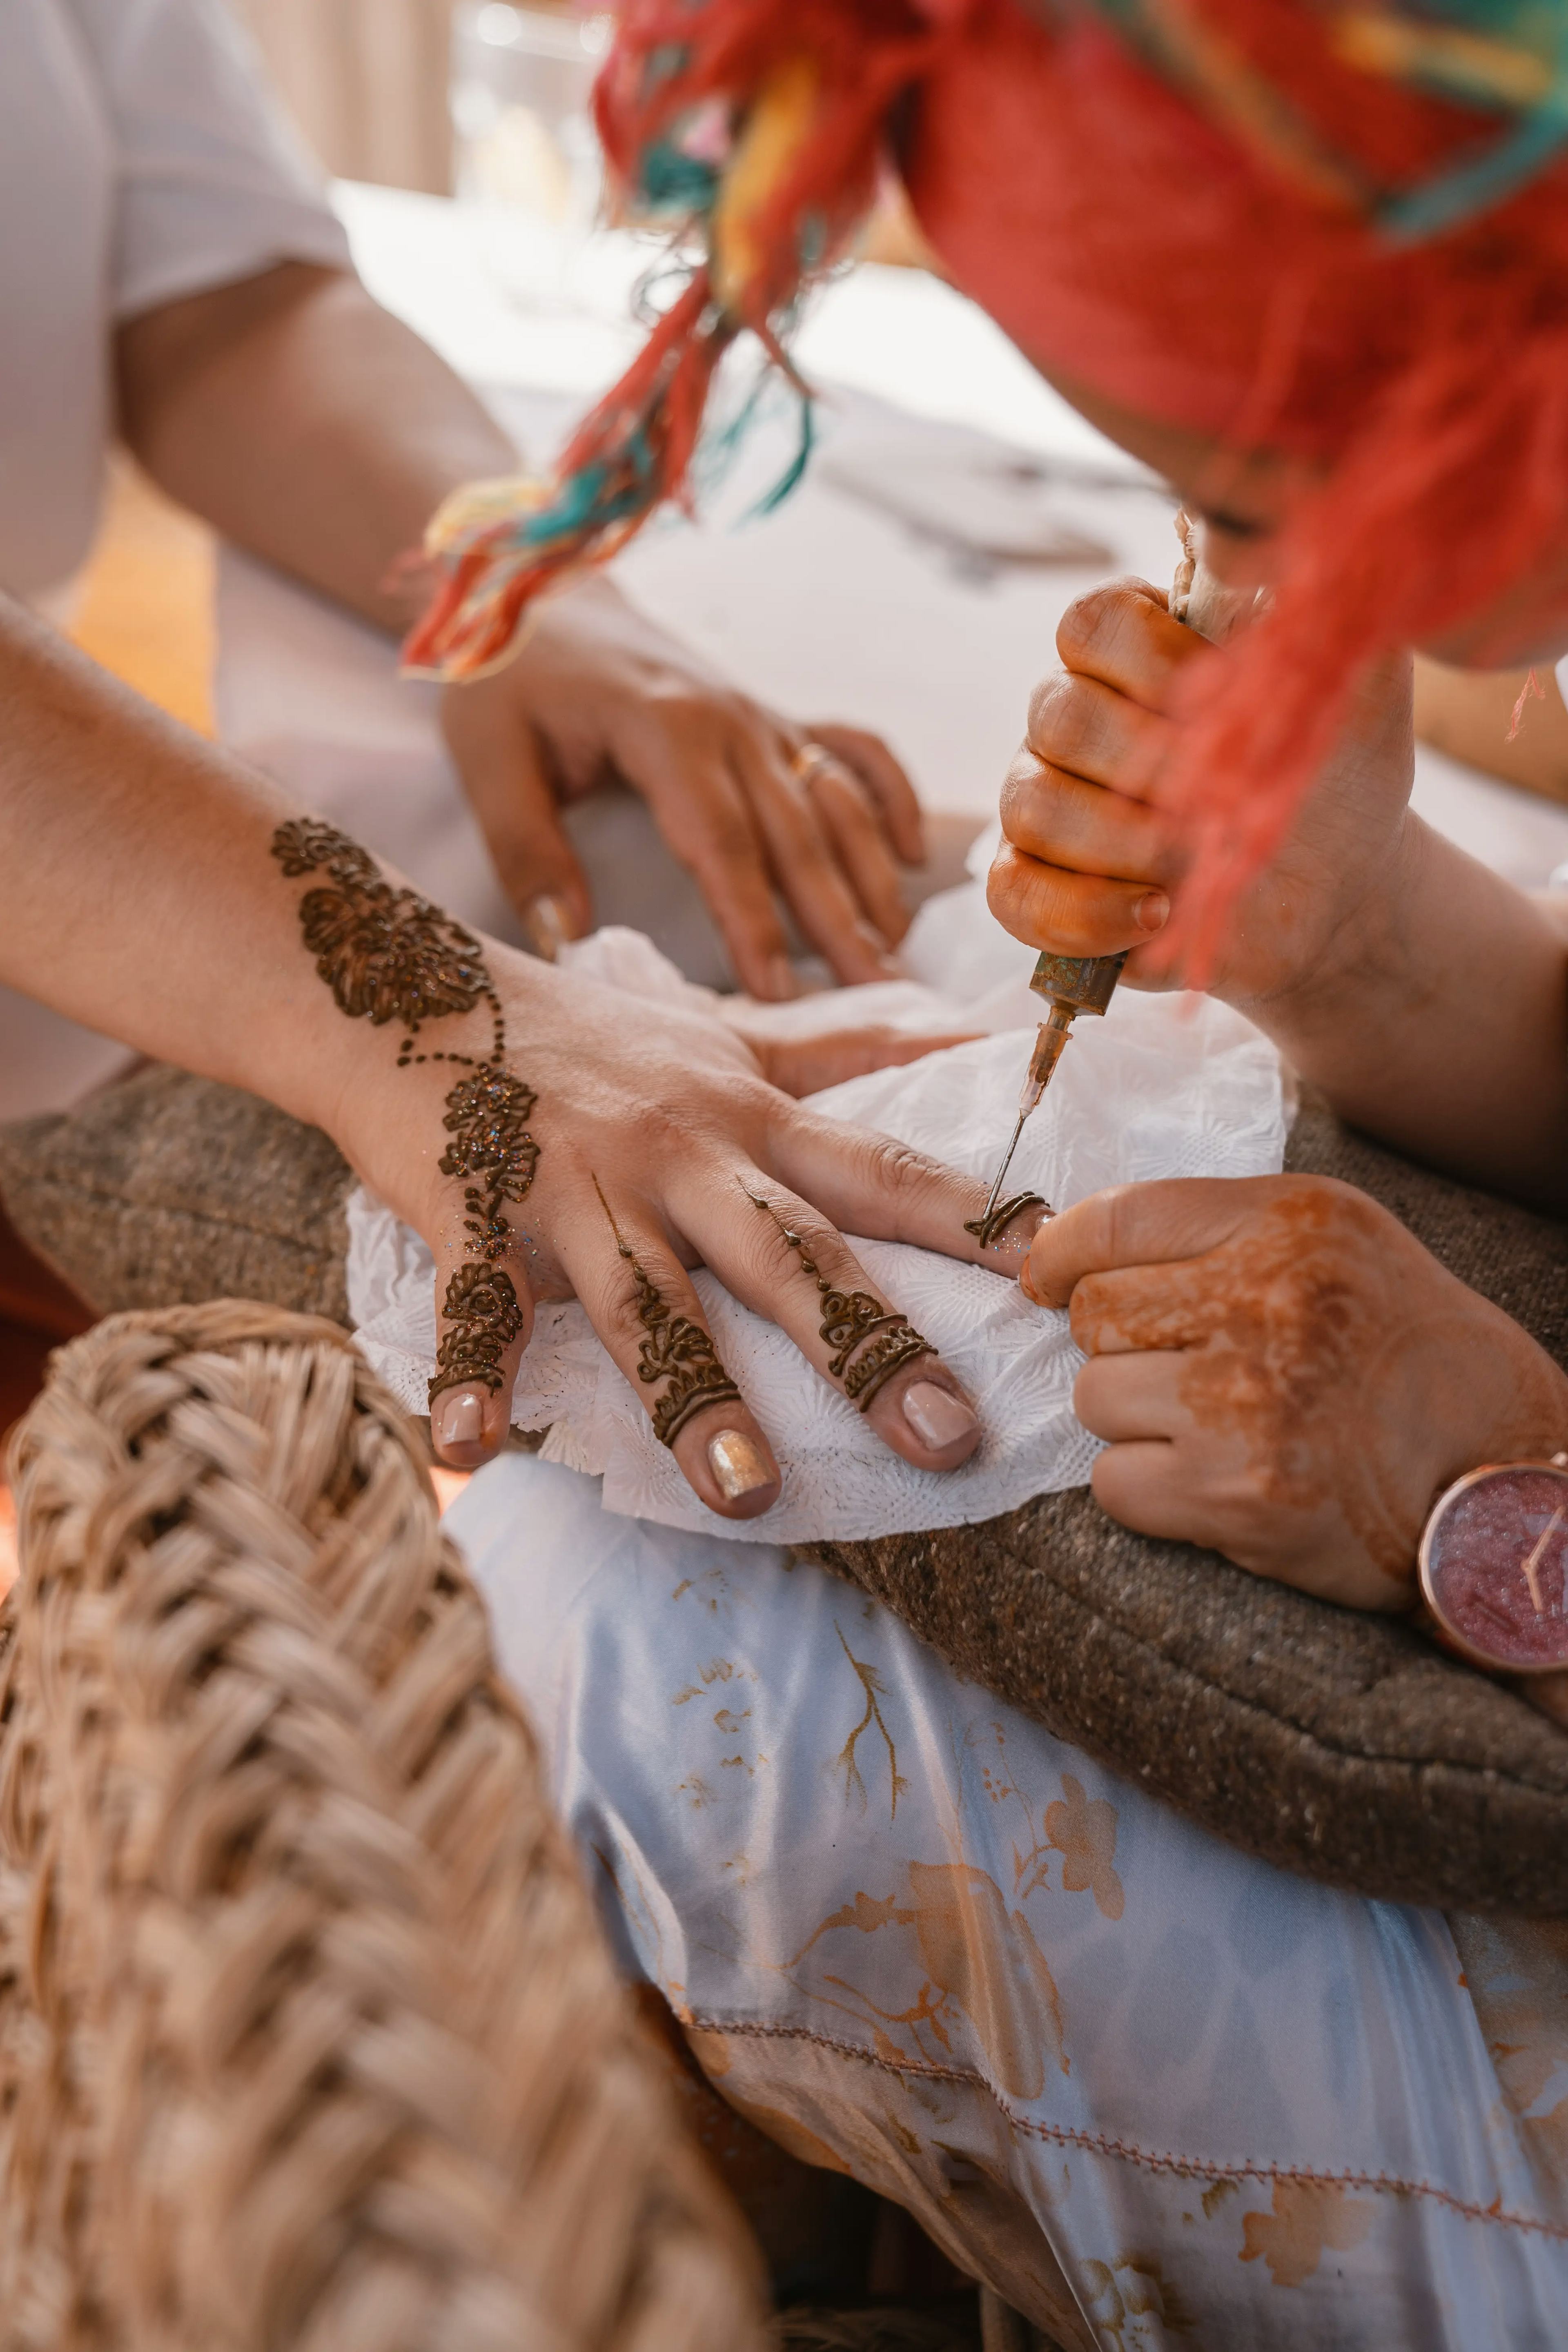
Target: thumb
(508, 786)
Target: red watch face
(1494, 1567)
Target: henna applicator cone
(1070, 986)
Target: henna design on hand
(676, 1349)
(849, 1319)
(988, 1231)
(390, 955)
(385, 954)
(485, 1116)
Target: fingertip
(1038, 1278)
(927, 1418)
(730, 1465)
(469, 1425)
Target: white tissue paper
(1166, 1085)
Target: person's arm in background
(1479, 716)
(1422, 995)
(313, 428)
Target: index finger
(873, 1184)
(1134, 1224)
(1123, 635)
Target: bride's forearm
(138, 893)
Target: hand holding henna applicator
(1075, 984)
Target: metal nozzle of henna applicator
(1070, 986)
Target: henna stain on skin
(387, 954)
(675, 1349)
(851, 1318)
(1290, 1336)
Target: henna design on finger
(483, 1317)
(485, 1116)
(387, 954)
(676, 1349)
(851, 1318)
(988, 1231)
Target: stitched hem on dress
(1100, 2143)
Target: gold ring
(810, 760)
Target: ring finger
(640, 1301)
(783, 1261)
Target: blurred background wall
(366, 81)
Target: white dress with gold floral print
(1163, 2097)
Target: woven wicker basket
(307, 2038)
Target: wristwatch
(1493, 1566)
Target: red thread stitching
(1073, 2136)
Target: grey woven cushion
(1332, 1743)
(167, 1190)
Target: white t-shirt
(141, 159)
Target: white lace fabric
(1161, 1086)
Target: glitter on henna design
(851, 1318)
(988, 1231)
(676, 1349)
(387, 954)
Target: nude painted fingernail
(1153, 911)
(548, 925)
(938, 1418)
(739, 1464)
(457, 1417)
(781, 981)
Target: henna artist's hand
(1087, 865)
(757, 809)
(550, 1139)
(1283, 1374)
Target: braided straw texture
(307, 2038)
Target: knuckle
(898, 1168)
(1043, 905)
(1067, 719)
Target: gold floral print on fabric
(870, 1683)
(1306, 2219)
(1083, 1831)
(675, 1349)
(1133, 2305)
(1080, 1829)
(1516, 1974)
(387, 954)
(972, 1958)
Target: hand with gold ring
(767, 816)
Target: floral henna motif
(389, 955)
(385, 954)
(851, 1318)
(675, 1349)
(483, 1317)
(485, 1117)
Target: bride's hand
(624, 1147)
